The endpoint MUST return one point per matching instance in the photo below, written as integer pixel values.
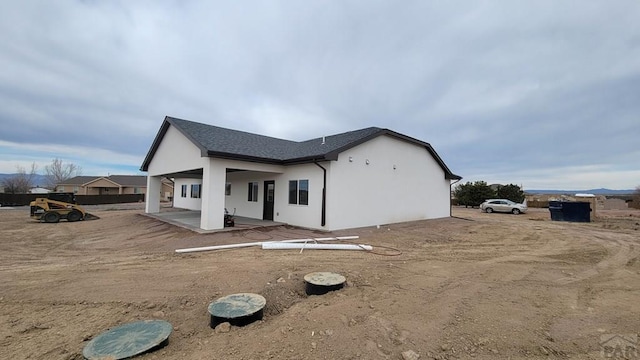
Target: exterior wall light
(366, 161)
(350, 159)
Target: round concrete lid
(128, 340)
(237, 305)
(324, 278)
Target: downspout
(323, 216)
(450, 202)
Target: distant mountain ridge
(38, 180)
(601, 191)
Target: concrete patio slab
(190, 219)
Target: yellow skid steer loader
(51, 211)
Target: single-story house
(112, 185)
(359, 178)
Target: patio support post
(152, 204)
(212, 194)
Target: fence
(25, 199)
(531, 204)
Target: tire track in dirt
(619, 252)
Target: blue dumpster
(572, 211)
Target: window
(299, 192)
(136, 190)
(253, 192)
(75, 189)
(303, 191)
(195, 191)
(293, 192)
(184, 191)
(227, 189)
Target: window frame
(183, 191)
(299, 192)
(195, 191)
(252, 193)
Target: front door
(269, 199)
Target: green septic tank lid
(237, 305)
(128, 340)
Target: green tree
(461, 193)
(481, 192)
(473, 194)
(511, 192)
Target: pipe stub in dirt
(237, 309)
(318, 283)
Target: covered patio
(190, 219)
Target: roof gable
(100, 182)
(214, 141)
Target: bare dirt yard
(481, 286)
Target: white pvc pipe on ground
(258, 243)
(285, 246)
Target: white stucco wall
(240, 190)
(174, 154)
(299, 215)
(373, 194)
(239, 180)
(186, 202)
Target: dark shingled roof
(122, 180)
(129, 180)
(78, 180)
(225, 143)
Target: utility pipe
(258, 243)
(286, 246)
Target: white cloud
(91, 159)
(497, 87)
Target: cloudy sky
(540, 93)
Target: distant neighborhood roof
(122, 180)
(214, 141)
(129, 180)
(78, 180)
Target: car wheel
(515, 211)
(489, 210)
(51, 217)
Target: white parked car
(503, 205)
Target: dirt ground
(481, 286)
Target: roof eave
(312, 159)
(156, 143)
(239, 157)
(168, 121)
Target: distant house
(74, 185)
(39, 190)
(112, 185)
(358, 178)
